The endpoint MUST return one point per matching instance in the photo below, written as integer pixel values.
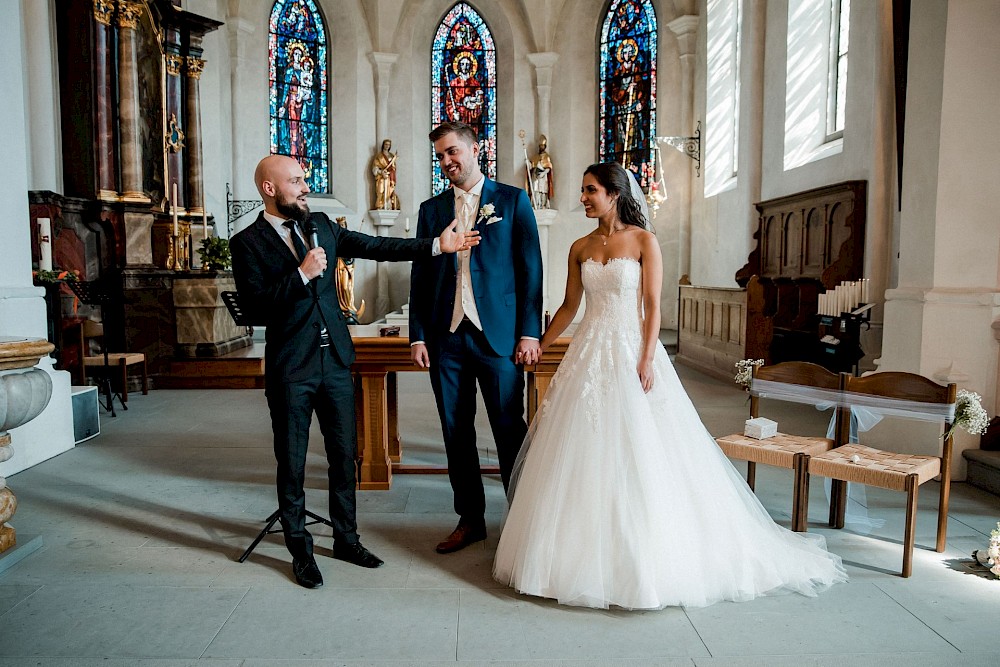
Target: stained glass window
(464, 85)
(628, 87)
(297, 72)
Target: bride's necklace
(606, 238)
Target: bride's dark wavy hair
(613, 178)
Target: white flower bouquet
(969, 413)
(486, 214)
(744, 371)
(991, 556)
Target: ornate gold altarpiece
(129, 77)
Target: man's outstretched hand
(452, 240)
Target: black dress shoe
(307, 572)
(464, 535)
(356, 554)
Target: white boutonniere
(486, 215)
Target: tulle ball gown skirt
(622, 498)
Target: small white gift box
(760, 428)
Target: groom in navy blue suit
(476, 315)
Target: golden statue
(345, 285)
(540, 177)
(384, 171)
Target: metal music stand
(241, 316)
(92, 293)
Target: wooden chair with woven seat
(784, 450)
(106, 361)
(892, 470)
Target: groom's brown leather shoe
(464, 535)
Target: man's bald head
(282, 185)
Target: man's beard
(292, 209)
(463, 175)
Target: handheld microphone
(309, 227)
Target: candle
(173, 208)
(204, 223)
(44, 244)
(406, 227)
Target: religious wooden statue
(345, 285)
(384, 171)
(540, 174)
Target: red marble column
(128, 102)
(175, 126)
(104, 131)
(193, 155)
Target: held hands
(419, 356)
(452, 240)
(314, 263)
(645, 369)
(528, 352)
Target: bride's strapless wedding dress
(623, 498)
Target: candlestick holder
(173, 261)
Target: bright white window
(721, 138)
(815, 79)
(839, 40)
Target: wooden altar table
(376, 395)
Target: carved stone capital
(128, 13)
(195, 66)
(103, 11)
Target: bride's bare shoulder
(580, 246)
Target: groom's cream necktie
(465, 301)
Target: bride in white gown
(620, 496)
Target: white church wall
(22, 306)
(216, 112)
(939, 319)
(722, 235)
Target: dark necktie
(297, 243)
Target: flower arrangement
(969, 414)
(64, 276)
(214, 253)
(991, 557)
(744, 372)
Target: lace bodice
(612, 291)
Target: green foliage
(42, 277)
(214, 253)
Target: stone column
(383, 77)
(686, 30)
(383, 221)
(104, 130)
(939, 319)
(240, 33)
(543, 63)
(42, 77)
(128, 102)
(544, 218)
(175, 129)
(195, 199)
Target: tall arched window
(297, 72)
(464, 84)
(628, 86)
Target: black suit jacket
(271, 288)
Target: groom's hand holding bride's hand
(452, 240)
(528, 352)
